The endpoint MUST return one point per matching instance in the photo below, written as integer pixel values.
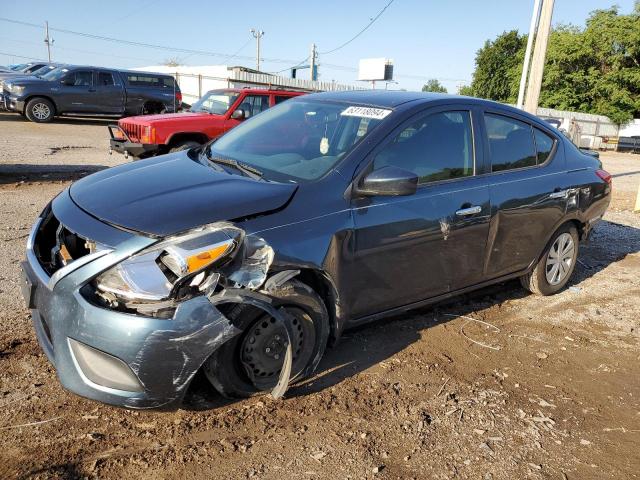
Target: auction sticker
(366, 112)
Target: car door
(411, 248)
(108, 92)
(77, 92)
(529, 190)
(251, 105)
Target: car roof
(395, 98)
(382, 98)
(263, 90)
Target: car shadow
(22, 172)
(610, 242)
(363, 347)
(16, 117)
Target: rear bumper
(126, 147)
(158, 356)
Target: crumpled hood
(173, 193)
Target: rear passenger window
(254, 104)
(435, 147)
(79, 79)
(510, 142)
(105, 79)
(150, 81)
(544, 145)
(280, 99)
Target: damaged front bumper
(110, 356)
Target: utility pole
(257, 34)
(313, 64)
(527, 54)
(47, 39)
(539, 54)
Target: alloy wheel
(41, 111)
(560, 259)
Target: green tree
(465, 90)
(498, 67)
(595, 69)
(434, 85)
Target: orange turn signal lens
(204, 258)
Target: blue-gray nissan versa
(246, 256)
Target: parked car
(36, 73)
(23, 69)
(629, 144)
(325, 212)
(91, 91)
(215, 113)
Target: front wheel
(251, 362)
(39, 110)
(557, 264)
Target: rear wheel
(184, 145)
(557, 264)
(39, 110)
(251, 362)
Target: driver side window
(435, 147)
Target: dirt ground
(494, 385)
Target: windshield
(55, 74)
(215, 101)
(20, 66)
(42, 70)
(298, 140)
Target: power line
(361, 31)
(20, 56)
(142, 44)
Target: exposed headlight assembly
(169, 270)
(17, 89)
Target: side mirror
(388, 181)
(238, 114)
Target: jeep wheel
(39, 110)
(251, 362)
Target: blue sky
(425, 38)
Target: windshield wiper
(248, 170)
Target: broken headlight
(170, 270)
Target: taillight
(604, 175)
(178, 97)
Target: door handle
(559, 194)
(92, 89)
(464, 212)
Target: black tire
(152, 108)
(537, 281)
(184, 145)
(227, 368)
(40, 110)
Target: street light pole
(527, 54)
(257, 34)
(539, 54)
(48, 40)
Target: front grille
(133, 131)
(55, 246)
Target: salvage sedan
(246, 257)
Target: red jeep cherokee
(215, 113)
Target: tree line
(594, 69)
